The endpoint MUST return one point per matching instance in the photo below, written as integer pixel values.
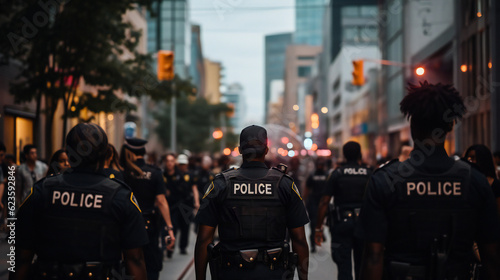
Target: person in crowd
(346, 185)
(421, 217)
(315, 187)
(182, 195)
(147, 183)
(29, 172)
(496, 159)
(204, 175)
(80, 224)
(58, 163)
(112, 166)
(480, 156)
(254, 207)
(404, 151)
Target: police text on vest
(355, 171)
(84, 200)
(427, 188)
(257, 188)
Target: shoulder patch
(134, 201)
(387, 163)
(26, 199)
(209, 190)
(294, 188)
(186, 177)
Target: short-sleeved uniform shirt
(347, 183)
(288, 193)
(180, 187)
(380, 199)
(123, 210)
(147, 186)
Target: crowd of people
(168, 192)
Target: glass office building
(309, 22)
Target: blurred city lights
(303, 152)
(479, 14)
(463, 68)
(314, 147)
(329, 141)
(235, 153)
(295, 107)
(420, 71)
(324, 152)
(308, 143)
(110, 117)
(73, 108)
(284, 140)
(324, 110)
(217, 134)
(289, 145)
(489, 65)
(227, 151)
(314, 121)
(291, 153)
(308, 134)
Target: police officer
(347, 186)
(420, 217)
(148, 185)
(79, 223)
(315, 185)
(253, 206)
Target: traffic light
(358, 77)
(165, 65)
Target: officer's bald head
(87, 144)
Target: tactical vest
(76, 223)
(351, 186)
(251, 208)
(432, 212)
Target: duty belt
(344, 214)
(80, 270)
(247, 259)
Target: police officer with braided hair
(81, 222)
(253, 207)
(420, 217)
(148, 184)
(347, 186)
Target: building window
(304, 71)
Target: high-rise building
(197, 66)
(308, 22)
(275, 47)
(169, 29)
(236, 100)
(213, 78)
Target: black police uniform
(181, 201)
(427, 211)
(113, 174)
(77, 224)
(347, 186)
(316, 184)
(202, 178)
(253, 206)
(146, 188)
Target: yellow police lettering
(257, 188)
(430, 189)
(72, 199)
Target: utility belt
(276, 258)
(343, 214)
(81, 270)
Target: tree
(60, 44)
(195, 119)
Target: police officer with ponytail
(253, 207)
(420, 217)
(80, 223)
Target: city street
(181, 267)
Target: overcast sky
(233, 33)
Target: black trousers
(312, 211)
(181, 215)
(343, 243)
(260, 272)
(152, 253)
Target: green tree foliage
(57, 44)
(196, 120)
